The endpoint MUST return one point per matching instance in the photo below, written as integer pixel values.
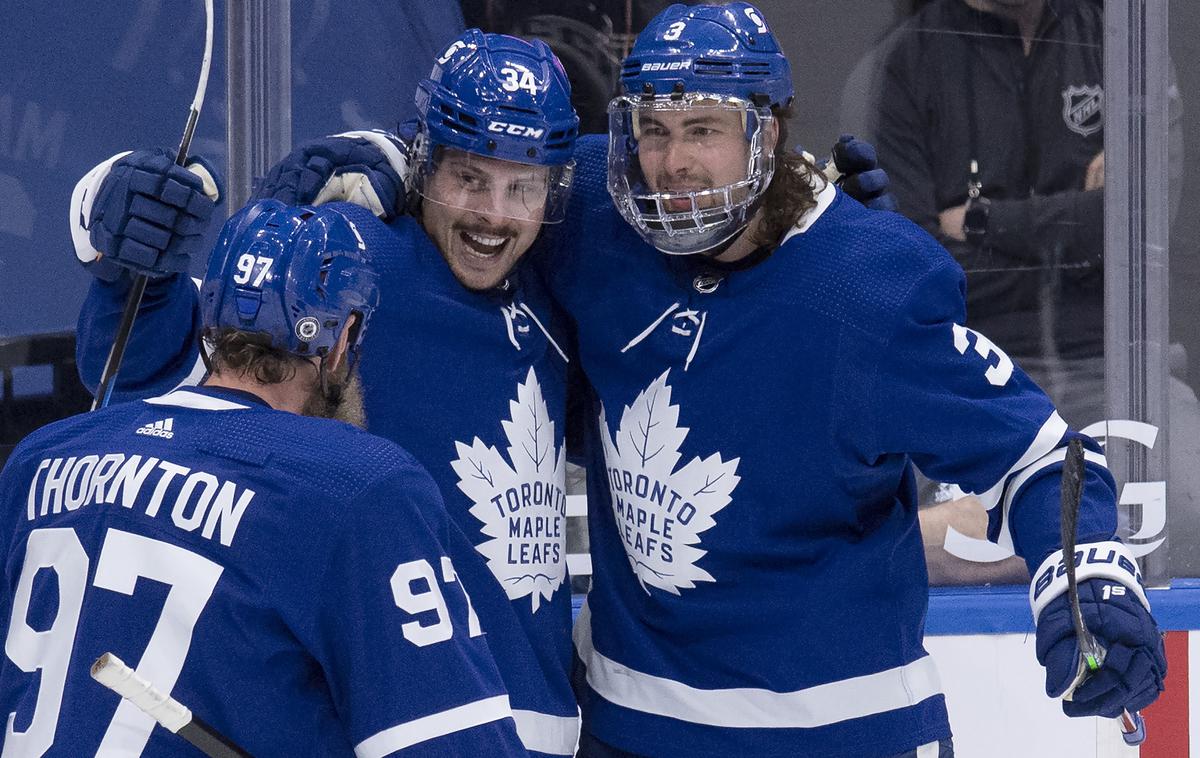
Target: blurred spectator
(1015, 89)
(989, 118)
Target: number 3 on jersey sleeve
(123, 558)
(997, 373)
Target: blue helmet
(715, 57)
(499, 97)
(711, 49)
(291, 274)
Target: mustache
(689, 183)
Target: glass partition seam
(259, 89)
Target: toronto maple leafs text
(646, 524)
(533, 538)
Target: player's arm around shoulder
(395, 630)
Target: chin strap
(720, 249)
(208, 369)
(332, 392)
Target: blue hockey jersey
(760, 586)
(471, 384)
(289, 579)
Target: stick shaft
(1091, 652)
(116, 355)
(108, 379)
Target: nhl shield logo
(1083, 109)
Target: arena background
(80, 82)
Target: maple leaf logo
(522, 506)
(661, 512)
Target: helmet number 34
(516, 78)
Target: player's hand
(366, 168)
(1094, 179)
(951, 221)
(857, 167)
(1134, 667)
(139, 212)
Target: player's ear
(337, 356)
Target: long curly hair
(790, 193)
(249, 355)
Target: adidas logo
(159, 429)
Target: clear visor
(495, 188)
(686, 170)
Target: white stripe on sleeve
(1046, 440)
(433, 726)
(541, 732)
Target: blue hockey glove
(1115, 611)
(139, 212)
(365, 168)
(856, 166)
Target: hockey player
(289, 577)
(466, 362)
(463, 367)
(765, 383)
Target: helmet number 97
(246, 265)
(674, 30)
(518, 78)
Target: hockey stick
(175, 717)
(1091, 652)
(116, 355)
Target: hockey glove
(1116, 612)
(365, 168)
(856, 166)
(139, 212)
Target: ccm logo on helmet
(515, 130)
(672, 66)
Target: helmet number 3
(997, 373)
(516, 78)
(757, 20)
(674, 30)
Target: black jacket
(958, 86)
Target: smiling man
(482, 205)
(770, 360)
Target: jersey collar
(825, 199)
(209, 399)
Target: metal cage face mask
(662, 201)
(492, 186)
